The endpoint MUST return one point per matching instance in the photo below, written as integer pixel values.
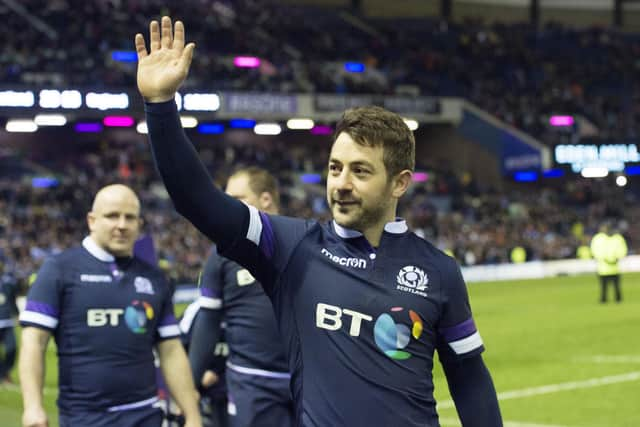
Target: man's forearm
(473, 392)
(31, 368)
(205, 336)
(177, 374)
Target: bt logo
(136, 316)
(389, 336)
(392, 337)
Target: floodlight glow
(594, 172)
(21, 125)
(420, 177)
(107, 101)
(44, 182)
(632, 170)
(124, 55)
(525, 176)
(300, 124)
(321, 130)
(118, 121)
(142, 128)
(90, 127)
(201, 102)
(553, 173)
(71, 99)
(561, 121)
(211, 128)
(621, 181)
(411, 124)
(354, 67)
(50, 120)
(188, 122)
(267, 129)
(310, 178)
(246, 62)
(242, 123)
(11, 98)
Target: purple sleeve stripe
(168, 320)
(209, 293)
(41, 307)
(461, 330)
(266, 237)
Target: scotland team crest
(413, 280)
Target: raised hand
(162, 71)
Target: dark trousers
(143, 417)
(605, 281)
(7, 351)
(256, 401)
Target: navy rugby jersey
(7, 300)
(360, 324)
(251, 331)
(106, 315)
(369, 319)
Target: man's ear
(266, 201)
(401, 183)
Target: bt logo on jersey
(390, 336)
(136, 316)
(330, 317)
(97, 317)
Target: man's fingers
(187, 56)
(141, 49)
(154, 35)
(178, 36)
(167, 36)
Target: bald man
(107, 310)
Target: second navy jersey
(251, 330)
(8, 309)
(361, 324)
(106, 315)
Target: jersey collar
(95, 250)
(398, 226)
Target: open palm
(162, 70)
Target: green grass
(537, 333)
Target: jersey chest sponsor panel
(377, 331)
(97, 312)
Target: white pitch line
(553, 388)
(16, 388)
(454, 422)
(610, 359)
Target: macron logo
(95, 278)
(347, 262)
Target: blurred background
(525, 114)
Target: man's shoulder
(423, 249)
(76, 255)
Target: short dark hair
(260, 181)
(374, 126)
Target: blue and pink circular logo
(392, 337)
(137, 315)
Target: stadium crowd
(516, 72)
(478, 225)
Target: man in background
(608, 248)
(257, 372)
(107, 310)
(8, 310)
